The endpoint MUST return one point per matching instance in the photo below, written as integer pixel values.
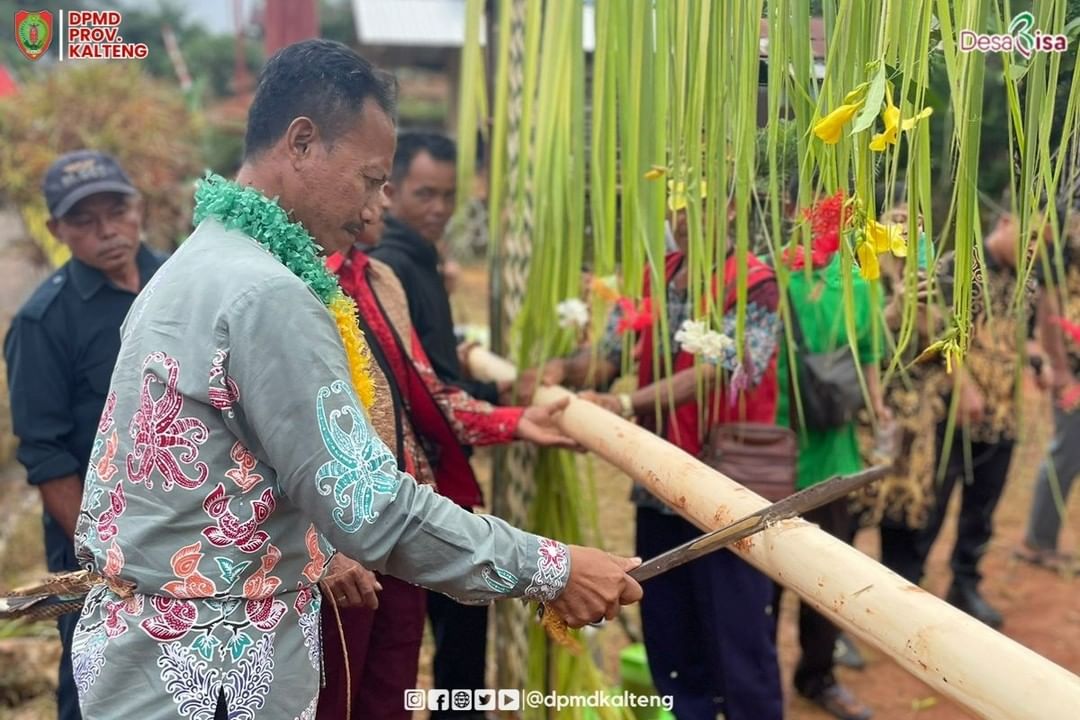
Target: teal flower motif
(231, 570)
(205, 646)
(361, 467)
(237, 645)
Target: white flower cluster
(694, 337)
(573, 314)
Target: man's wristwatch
(626, 405)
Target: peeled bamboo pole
(489, 367)
(979, 668)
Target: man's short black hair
(411, 144)
(320, 79)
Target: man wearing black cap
(62, 346)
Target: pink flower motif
(105, 467)
(114, 561)
(242, 474)
(304, 596)
(157, 428)
(173, 621)
(552, 554)
(115, 625)
(191, 583)
(229, 530)
(552, 571)
(262, 584)
(228, 394)
(265, 613)
(315, 569)
(106, 524)
(106, 421)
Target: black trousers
(817, 636)
(904, 549)
(60, 557)
(460, 633)
(709, 629)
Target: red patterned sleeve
(474, 422)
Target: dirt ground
(1042, 610)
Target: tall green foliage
(677, 107)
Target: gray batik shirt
(232, 458)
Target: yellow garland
(343, 310)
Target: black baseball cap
(79, 175)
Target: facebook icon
(438, 699)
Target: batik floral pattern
(194, 686)
(115, 624)
(243, 474)
(190, 583)
(316, 568)
(307, 605)
(88, 658)
(174, 618)
(223, 392)
(230, 530)
(157, 428)
(552, 571)
(114, 561)
(105, 467)
(361, 467)
(106, 422)
(106, 522)
(262, 584)
(266, 613)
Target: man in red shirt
(426, 421)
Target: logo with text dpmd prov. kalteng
(1020, 38)
(81, 35)
(33, 32)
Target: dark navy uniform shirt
(60, 353)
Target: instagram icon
(415, 699)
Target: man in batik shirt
(978, 451)
(233, 455)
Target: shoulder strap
(395, 392)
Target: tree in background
(111, 107)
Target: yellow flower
(655, 172)
(891, 116)
(868, 262)
(677, 194)
(911, 122)
(604, 288)
(828, 128)
(886, 238)
(948, 347)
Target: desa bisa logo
(1020, 38)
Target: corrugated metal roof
(430, 23)
(427, 23)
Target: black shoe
(966, 597)
(838, 701)
(846, 654)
